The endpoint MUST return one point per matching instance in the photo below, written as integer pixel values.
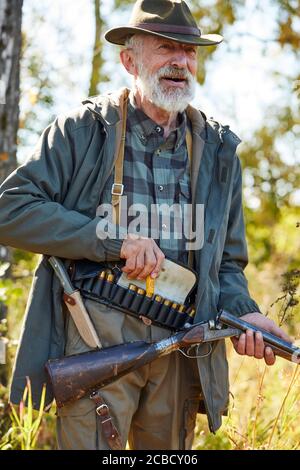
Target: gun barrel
(280, 347)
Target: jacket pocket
(77, 426)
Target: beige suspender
(117, 189)
(189, 146)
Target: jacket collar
(108, 109)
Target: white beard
(170, 99)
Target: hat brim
(120, 35)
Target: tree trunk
(10, 51)
(97, 52)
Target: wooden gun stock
(72, 377)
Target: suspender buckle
(117, 189)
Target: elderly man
(49, 206)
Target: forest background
(52, 56)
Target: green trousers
(153, 408)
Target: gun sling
(110, 432)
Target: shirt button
(161, 188)
(164, 227)
(158, 152)
(158, 129)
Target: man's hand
(252, 344)
(143, 257)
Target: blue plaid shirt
(156, 171)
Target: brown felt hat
(170, 19)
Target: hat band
(165, 28)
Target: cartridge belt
(98, 282)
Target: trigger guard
(195, 346)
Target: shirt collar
(147, 128)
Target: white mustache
(173, 72)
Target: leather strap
(118, 187)
(189, 144)
(110, 432)
(168, 28)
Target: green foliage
(289, 34)
(25, 423)
(289, 301)
(266, 407)
(37, 86)
(97, 75)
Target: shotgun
(72, 377)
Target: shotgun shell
(155, 306)
(107, 285)
(137, 300)
(150, 284)
(163, 312)
(129, 296)
(191, 314)
(133, 287)
(100, 282)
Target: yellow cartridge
(150, 284)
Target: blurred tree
(272, 183)
(10, 51)
(37, 85)
(97, 63)
(271, 180)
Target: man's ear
(128, 60)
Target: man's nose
(179, 59)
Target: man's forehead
(156, 40)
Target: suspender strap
(110, 432)
(189, 145)
(117, 189)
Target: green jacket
(48, 206)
